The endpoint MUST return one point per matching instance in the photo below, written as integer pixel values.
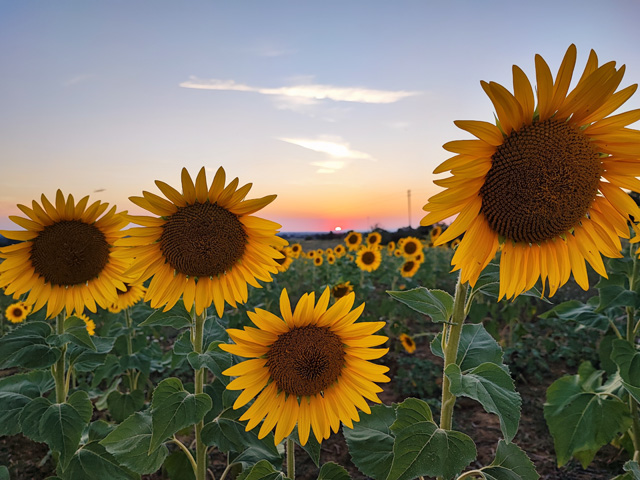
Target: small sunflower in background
(351, 258)
(89, 324)
(411, 246)
(419, 257)
(397, 253)
(128, 298)
(455, 244)
(374, 238)
(368, 258)
(328, 251)
(287, 259)
(66, 258)
(309, 367)
(331, 259)
(296, 250)
(204, 245)
(320, 252)
(409, 268)
(436, 231)
(391, 246)
(318, 260)
(339, 251)
(353, 240)
(16, 312)
(407, 343)
(27, 306)
(311, 254)
(546, 182)
(341, 289)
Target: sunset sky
(338, 107)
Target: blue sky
(338, 107)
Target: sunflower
(374, 238)
(309, 367)
(66, 258)
(436, 231)
(455, 243)
(287, 259)
(419, 257)
(341, 289)
(409, 268)
(89, 324)
(397, 253)
(27, 307)
(353, 240)
(411, 246)
(407, 342)
(340, 251)
(328, 251)
(391, 246)
(318, 260)
(205, 245)
(331, 259)
(546, 182)
(16, 313)
(312, 254)
(133, 293)
(296, 250)
(368, 258)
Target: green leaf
(179, 467)
(30, 418)
(511, 463)
(214, 359)
(370, 441)
(177, 317)
(312, 447)
(4, 473)
(228, 433)
(627, 358)
(26, 346)
(82, 404)
(99, 429)
(582, 421)
(493, 388)
(61, 427)
(423, 449)
(213, 332)
(121, 405)
(437, 304)
(75, 331)
(633, 469)
(476, 347)
(333, 471)
(262, 470)
(93, 462)
(16, 392)
(584, 314)
(173, 409)
(616, 296)
(129, 443)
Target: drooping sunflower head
(435, 232)
(411, 246)
(407, 343)
(409, 268)
(133, 293)
(309, 367)
(16, 312)
(391, 246)
(353, 240)
(204, 244)
(318, 260)
(546, 181)
(368, 258)
(341, 289)
(339, 251)
(287, 259)
(374, 238)
(296, 250)
(66, 257)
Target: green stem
(291, 458)
(631, 338)
(58, 369)
(450, 343)
(187, 453)
(201, 448)
(133, 379)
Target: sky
(340, 108)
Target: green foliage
(418, 377)
(262, 470)
(511, 463)
(26, 346)
(121, 405)
(437, 304)
(333, 471)
(93, 462)
(476, 347)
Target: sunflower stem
(201, 448)
(186, 452)
(451, 339)
(291, 458)
(631, 338)
(58, 368)
(133, 379)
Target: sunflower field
(197, 342)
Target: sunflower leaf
(121, 405)
(93, 462)
(511, 463)
(26, 346)
(173, 409)
(262, 470)
(312, 447)
(371, 441)
(129, 444)
(585, 314)
(16, 392)
(476, 347)
(177, 318)
(213, 359)
(422, 449)
(627, 358)
(437, 304)
(333, 471)
(493, 388)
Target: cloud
(308, 92)
(340, 152)
(78, 79)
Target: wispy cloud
(308, 92)
(78, 79)
(336, 148)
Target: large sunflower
(309, 367)
(368, 258)
(546, 181)
(205, 245)
(66, 258)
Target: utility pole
(409, 205)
